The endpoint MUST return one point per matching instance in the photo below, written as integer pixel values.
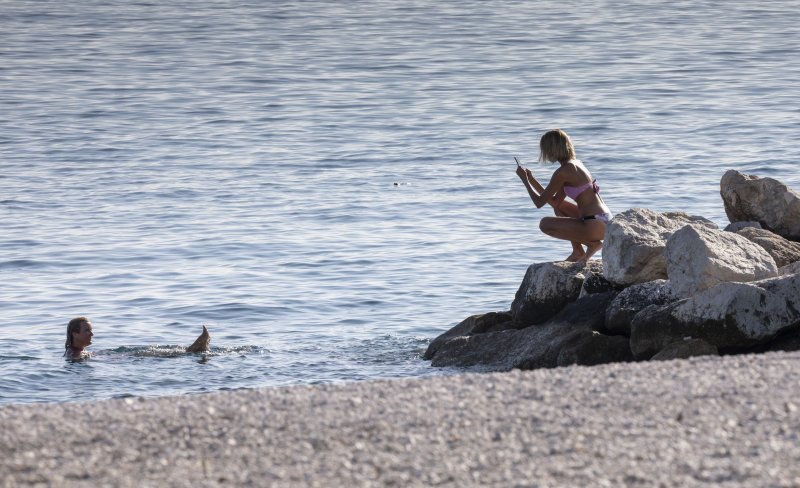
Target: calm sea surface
(329, 185)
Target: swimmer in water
(79, 337)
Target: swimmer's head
(79, 333)
(556, 145)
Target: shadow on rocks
(572, 336)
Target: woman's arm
(560, 196)
(534, 182)
(540, 196)
(522, 173)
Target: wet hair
(555, 145)
(73, 327)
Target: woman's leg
(588, 232)
(568, 209)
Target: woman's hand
(521, 172)
(529, 173)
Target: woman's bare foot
(577, 253)
(201, 344)
(575, 257)
(591, 249)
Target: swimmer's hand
(201, 344)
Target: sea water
(329, 185)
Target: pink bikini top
(574, 191)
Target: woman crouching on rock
(79, 337)
(583, 223)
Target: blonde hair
(555, 145)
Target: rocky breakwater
(670, 285)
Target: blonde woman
(583, 223)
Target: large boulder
(568, 338)
(476, 324)
(633, 246)
(783, 251)
(699, 258)
(634, 299)
(549, 287)
(765, 200)
(730, 316)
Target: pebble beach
(708, 421)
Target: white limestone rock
(633, 246)
(699, 258)
(765, 200)
(549, 287)
(730, 316)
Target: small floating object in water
(401, 183)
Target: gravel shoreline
(709, 421)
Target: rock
(547, 288)
(653, 329)
(633, 246)
(730, 316)
(789, 269)
(765, 200)
(590, 347)
(570, 332)
(492, 350)
(699, 258)
(785, 342)
(476, 324)
(595, 282)
(783, 251)
(684, 349)
(632, 300)
(737, 226)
